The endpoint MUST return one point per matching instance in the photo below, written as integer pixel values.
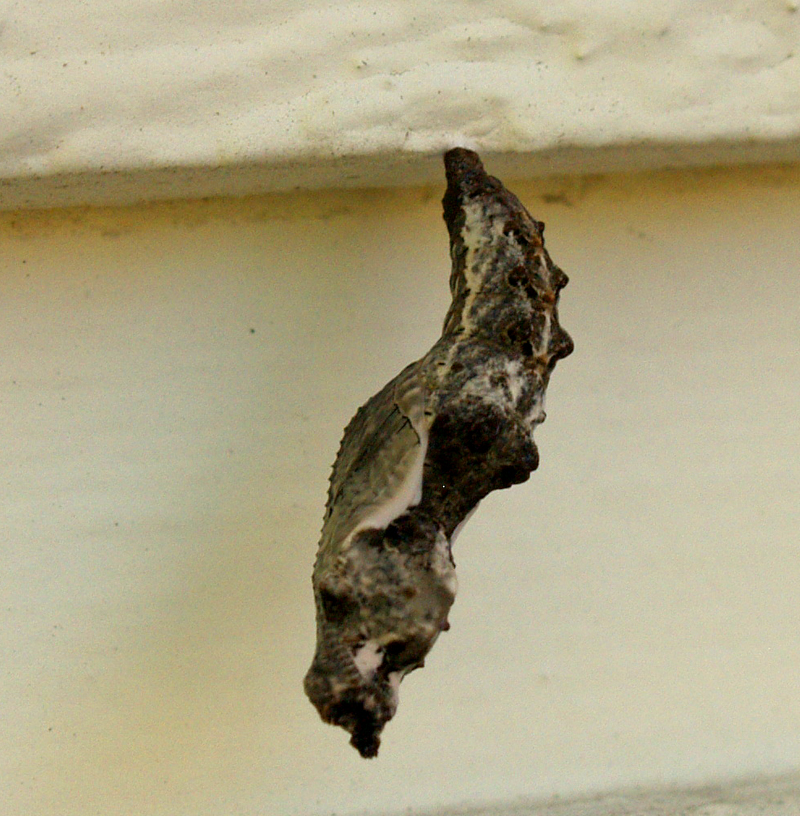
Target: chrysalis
(418, 457)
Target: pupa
(419, 456)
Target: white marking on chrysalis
(536, 415)
(408, 495)
(481, 386)
(368, 658)
(546, 332)
(516, 379)
(394, 684)
(442, 563)
(462, 523)
(475, 236)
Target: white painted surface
(174, 384)
(117, 101)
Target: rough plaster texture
(118, 101)
(174, 383)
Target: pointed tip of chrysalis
(466, 177)
(459, 160)
(465, 173)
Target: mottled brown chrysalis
(418, 456)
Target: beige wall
(175, 380)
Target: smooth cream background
(175, 380)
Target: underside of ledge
(122, 103)
(138, 184)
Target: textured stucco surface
(174, 383)
(115, 101)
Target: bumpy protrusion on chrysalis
(418, 457)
